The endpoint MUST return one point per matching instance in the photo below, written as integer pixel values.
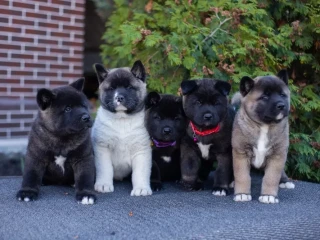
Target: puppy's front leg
(84, 174)
(223, 174)
(271, 178)
(242, 179)
(104, 169)
(141, 171)
(32, 177)
(156, 184)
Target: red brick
(22, 56)
(21, 90)
(59, 66)
(4, 20)
(10, 47)
(9, 64)
(79, 5)
(59, 50)
(61, 2)
(36, 32)
(59, 83)
(77, 52)
(10, 81)
(42, 57)
(6, 11)
(72, 12)
(11, 29)
(73, 28)
(48, 25)
(22, 39)
(48, 8)
(22, 22)
(21, 73)
(19, 133)
(70, 75)
(60, 34)
(4, 3)
(3, 134)
(35, 49)
(79, 20)
(27, 124)
(3, 55)
(47, 74)
(3, 116)
(35, 65)
(72, 44)
(60, 18)
(22, 116)
(36, 15)
(23, 5)
(3, 72)
(9, 125)
(48, 41)
(34, 82)
(3, 89)
(72, 59)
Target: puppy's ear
(138, 70)
(152, 99)
(223, 87)
(188, 86)
(101, 72)
(44, 98)
(246, 84)
(79, 84)
(283, 75)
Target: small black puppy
(208, 135)
(166, 124)
(59, 149)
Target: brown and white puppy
(260, 136)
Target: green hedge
(227, 40)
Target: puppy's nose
(280, 106)
(120, 98)
(207, 116)
(166, 130)
(85, 118)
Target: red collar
(205, 132)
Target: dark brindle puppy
(208, 135)
(59, 149)
(166, 124)
(261, 135)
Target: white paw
(288, 185)
(141, 192)
(103, 188)
(268, 199)
(219, 193)
(87, 200)
(26, 199)
(231, 185)
(242, 197)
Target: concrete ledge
(169, 214)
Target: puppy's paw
(27, 195)
(156, 186)
(103, 187)
(241, 197)
(268, 199)
(192, 186)
(85, 198)
(218, 191)
(141, 192)
(288, 185)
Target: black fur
(60, 129)
(208, 97)
(165, 112)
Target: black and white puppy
(208, 135)
(59, 149)
(120, 139)
(166, 124)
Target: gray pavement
(169, 214)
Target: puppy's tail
(236, 100)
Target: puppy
(59, 149)
(120, 139)
(260, 136)
(166, 124)
(208, 135)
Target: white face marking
(204, 149)
(280, 116)
(119, 106)
(59, 160)
(261, 150)
(166, 159)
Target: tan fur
(245, 136)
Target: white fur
(231, 185)
(87, 201)
(166, 159)
(204, 148)
(288, 185)
(261, 150)
(60, 160)
(121, 145)
(268, 199)
(219, 193)
(280, 116)
(242, 198)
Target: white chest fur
(261, 150)
(60, 160)
(204, 149)
(166, 159)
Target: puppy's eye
(282, 95)
(68, 109)
(130, 87)
(156, 117)
(177, 118)
(264, 97)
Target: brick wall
(41, 45)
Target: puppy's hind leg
(104, 169)
(223, 174)
(141, 171)
(285, 182)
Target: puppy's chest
(261, 148)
